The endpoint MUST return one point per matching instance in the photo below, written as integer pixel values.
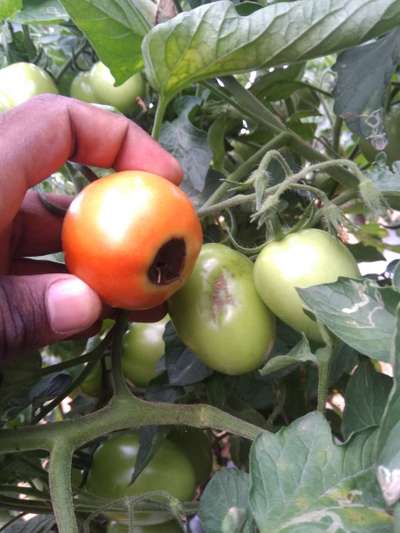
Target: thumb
(40, 310)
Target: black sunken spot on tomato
(168, 263)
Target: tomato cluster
(118, 239)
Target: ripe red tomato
(133, 237)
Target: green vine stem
(243, 171)
(122, 413)
(273, 199)
(251, 107)
(324, 356)
(158, 119)
(120, 387)
(60, 486)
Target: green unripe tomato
(93, 384)
(143, 346)
(20, 81)
(197, 446)
(113, 466)
(81, 88)
(219, 314)
(122, 97)
(309, 257)
(167, 527)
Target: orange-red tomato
(133, 237)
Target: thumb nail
(72, 306)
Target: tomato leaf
(392, 412)
(366, 395)
(366, 253)
(41, 12)
(280, 33)
(150, 439)
(396, 277)
(189, 145)
(358, 312)
(301, 353)
(8, 8)
(115, 28)
(359, 103)
(301, 481)
(36, 524)
(280, 83)
(182, 365)
(224, 503)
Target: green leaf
(41, 12)
(216, 140)
(357, 102)
(214, 40)
(365, 253)
(392, 412)
(301, 353)
(189, 145)
(366, 396)
(358, 312)
(396, 277)
(300, 481)
(278, 84)
(388, 471)
(182, 365)
(115, 28)
(8, 8)
(225, 501)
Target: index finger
(37, 138)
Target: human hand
(39, 302)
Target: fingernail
(72, 306)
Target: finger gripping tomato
(133, 237)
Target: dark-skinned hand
(39, 302)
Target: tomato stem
(324, 356)
(158, 120)
(245, 168)
(120, 387)
(60, 486)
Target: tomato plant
(21, 81)
(114, 230)
(98, 85)
(269, 107)
(229, 327)
(309, 257)
(143, 346)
